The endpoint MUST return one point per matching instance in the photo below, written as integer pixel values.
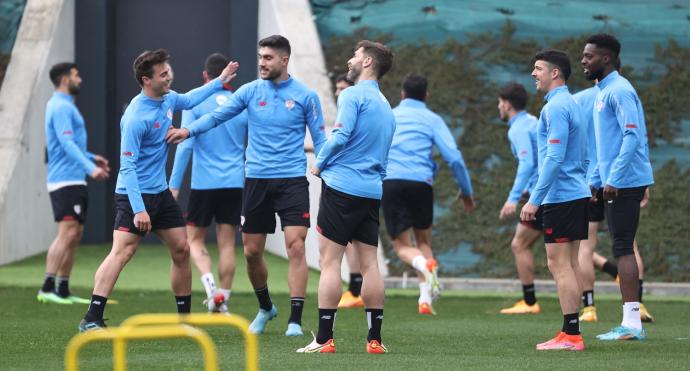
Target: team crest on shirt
(169, 114)
(289, 104)
(600, 105)
(221, 99)
(77, 209)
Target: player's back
(410, 156)
(360, 167)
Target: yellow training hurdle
(143, 333)
(146, 323)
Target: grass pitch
(467, 333)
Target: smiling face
(356, 64)
(543, 74)
(594, 61)
(272, 63)
(160, 80)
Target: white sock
(209, 284)
(226, 294)
(419, 263)
(631, 315)
(424, 293)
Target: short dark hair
(415, 87)
(60, 69)
(214, 65)
(382, 56)
(515, 94)
(557, 58)
(606, 41)
(143, 64)
(276, 42)
(617, 64)
(343, 77)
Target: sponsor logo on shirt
(156, 125)
(338, 125)
(129, 154)
(554, 141)
(262, 103)
(221, 99)
(67, 132)
(523, 152)
(169, 114)
(631, 126)
(289, 104)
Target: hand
(528, 212)
(101, 162)
(467, 202)
(229, 72)
(507, 210)
(645, 199)
(610, 193)
(175, 193)
(176, 136)
(99, 174)
(315, 172)
(142, 221)
(594, 194)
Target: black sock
(63, 287)
(641, 290)
(375, 320)
(326, 325)
(355, 284)
(296, 305)
(265, 302)
(571, 324)
(529, 294)
(610, 268)
(49, 283)
(184, 303)
(588, 298)
(96, 309)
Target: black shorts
(343, 217)
(407, 204)
(263, 198)
(162, 208)
(566, 221)
(538, 223)
(623, 216)
(224, 204)
(70, 203)
(596, 209)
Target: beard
(272, 74)
(594, 74)
(353, 74)
(74, 89)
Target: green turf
(467, 334)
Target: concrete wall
(45, 37)
(293, 19)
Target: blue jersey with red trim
(621, 134)
(562, 144)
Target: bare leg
(298, 270)
(562, 261)
(67, 238)
(330, 257)
(68, 259)
(226, 254)
(587, 248)
(197, 249)
(124, 246)
(352, 259)
(254, 244)
(180, 269)
(522, 250)
(372, 286)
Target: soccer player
(522, 135)
(408, 196)
(561, 190)
(279, 109)
(352, 165)
(217, 181)
(623, 170)
(351, 298)
(69, 163)
(142, 200)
